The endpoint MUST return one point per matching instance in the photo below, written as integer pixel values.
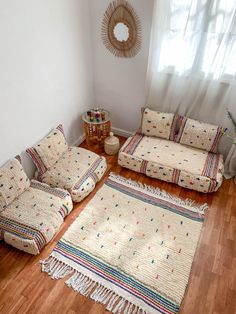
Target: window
(200, 38)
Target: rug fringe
(89, 288)
(162, 193)
(55, 268)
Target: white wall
(46, 71)
(120, 82)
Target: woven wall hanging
(121, 29)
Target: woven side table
(96, 131)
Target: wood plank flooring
(212, 285)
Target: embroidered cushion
(200, 135)
(13, 182)
(46, 152)
(158, 124)
(77, 170)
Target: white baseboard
(116, 131)
(79, 140)
(122, 132)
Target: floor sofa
(176, 149)
(31, 213)
(72, 168)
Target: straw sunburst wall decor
(121, 29)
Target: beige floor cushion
(77, 170)
(173, 162)
(34, 217)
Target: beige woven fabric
(198, 134)
(13, 182)
(172, 154)
(153, 245)
(158, 124)
(172, 162)
(77, 171)
(39, 207)
(51, 147)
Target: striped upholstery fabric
(179, 127)
(34, 217)
(47, 151)
(77, 170)
(72, 168)
(173, 162)
(200, 135)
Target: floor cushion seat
(34, 217)
(173, 162)
(77, 170)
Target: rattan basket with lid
(112, 144)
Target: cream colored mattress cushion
(78, 170)
(173, 162)
(34, 217)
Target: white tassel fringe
(162, 193)
(89, 288)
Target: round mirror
(121, 32)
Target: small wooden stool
(96, 130)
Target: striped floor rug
(131, 248)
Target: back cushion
(46, 152)
(200, 135)
(158, 124)
(13, 182)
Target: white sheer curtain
(192, 63)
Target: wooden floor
(212, 285)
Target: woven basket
(112, 144)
